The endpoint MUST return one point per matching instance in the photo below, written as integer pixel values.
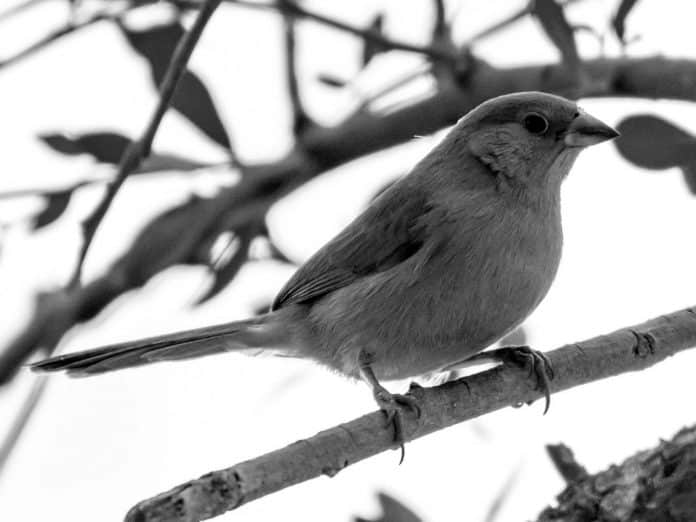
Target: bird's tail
(264, 333)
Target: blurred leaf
(192, 98)
(392, 511)
(56, 203)
(225, 273)
(169, 239)
(518, 337)
(651, 142)
(108, 147)
(689, 172)
(331, 81)
(372, 48)
(619, 20)
(553, 20)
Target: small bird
(448, 260)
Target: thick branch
(140, 149)
(630, 349)
(652, 485)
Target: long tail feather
(252, 334)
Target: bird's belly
(445, 315)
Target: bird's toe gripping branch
(394, 405)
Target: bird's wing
(389, 231)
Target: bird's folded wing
(388, 232)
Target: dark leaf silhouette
(371, 48)
(192, 98)
(653, 143)
(331, 81)
(557, 28)
(392, 511)
(224, 273)
(619, 20)
(108, 147)
(56, 203)
(517, 337)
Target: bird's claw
(538, 364)
(393, 406)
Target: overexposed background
(96, 446)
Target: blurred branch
(14, 433)
(656, 484)
(19, 8)
(140, 149)
(56, 35)
(181, 237)
(300, 120)
(564, 460)
(295, 10)
(630, 349)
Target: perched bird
(444, 263)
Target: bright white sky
(97, 446)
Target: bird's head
(529, 139)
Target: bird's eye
(536, 123)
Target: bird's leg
(537, 362)
(392, 404)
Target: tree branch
(140, 149)
(300, 120)
(292, 9)
(652, 485)
(328, 452)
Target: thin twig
(297, 11)
(630, 349)
(15, 432)
(300, 120)
(19, 8)
(138, 150)
(509, 20)
(56, 35)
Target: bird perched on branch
(444, 263)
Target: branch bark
(652, 485)
(328, 452)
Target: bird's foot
(394, 405)
(537, 362)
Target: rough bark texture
(629, 349)
(656, 485)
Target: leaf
(557, 28)
(56, 203)
(225, 273)
(332, 81)
(108, 147)
(619, 20)
(392, 511)
(653, 143)
(370, 47)
(192, 99)
(518, 337)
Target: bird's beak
(586, 130)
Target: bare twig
(138, 150)
(297, 11)
(14, 433)
(56, 35)
(19, 8)
(630, 349)
(300, 120)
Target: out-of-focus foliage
(392, 511)
(653, 143)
